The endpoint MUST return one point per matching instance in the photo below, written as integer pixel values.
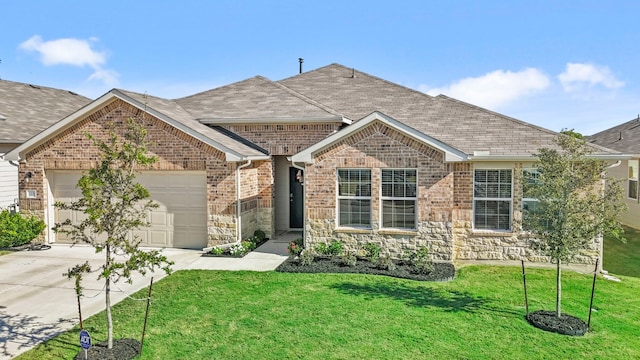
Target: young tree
(114, 205)
(577, 203)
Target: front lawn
(623, 258)
(269, 315)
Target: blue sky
(556, 64)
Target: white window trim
(629, 179)
(509, 199)
(343, 197)
(382, 198)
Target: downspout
(239, 207)
(615, 164)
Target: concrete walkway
(37, 302)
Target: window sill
(398, 232)
(354, 230)
(493, 232)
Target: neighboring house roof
(256, 100)
(27, 109)
(462, 126)
(624, 137)
(165, 110)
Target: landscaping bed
(566, 324)
(442, 271)
(123, 349)
(241, 249)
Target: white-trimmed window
(632, 192)
(399, 198)
(530, 178)
(492, 199)
(354, 197)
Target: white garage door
(179, 221)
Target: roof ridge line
(307, 99)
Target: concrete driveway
(37, 302)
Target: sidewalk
(37, 302)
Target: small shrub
(349, 260)
(333, 249)
(372, 251)
(421, 261)
(260, 235)
(306, 258)
(295, 247)
(386, 263)
(248, 244)
(216, 250)
(237, 250)
(17, 230)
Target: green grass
(257, 315)
(623, 258)
(4, 252)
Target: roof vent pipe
(300, 60)
(620, 137)
(353, 73)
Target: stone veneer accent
(445, 202)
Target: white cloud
(496, 88)
(74, 52)
(580, 76)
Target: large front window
(399, 198)
(492, 197)
(354, 197)
(633, 180)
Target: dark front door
(296, 200)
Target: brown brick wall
(376, 147)
(72, 150)
(284, 139)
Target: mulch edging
(565, 325)
(123, 349)
(442, 271)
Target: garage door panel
(181, 214)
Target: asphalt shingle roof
(254, 98)
(624, 137)
(27, 109)
(463, 126)
(173, 110)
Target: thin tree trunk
(559, 288)
(107, 292)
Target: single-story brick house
(624, 138)
(25, 110)
(334, 152)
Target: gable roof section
(257, 99)
(457, 124)
(163, 109)
(26, 109)
(624, 137)
(306, 156)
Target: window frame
(632, 179)
(356, 197)
(384, 198)
(509, 199)
(526, 199)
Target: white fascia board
(287, 120)
(16, 154)
(535, 158)
(451, 154)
